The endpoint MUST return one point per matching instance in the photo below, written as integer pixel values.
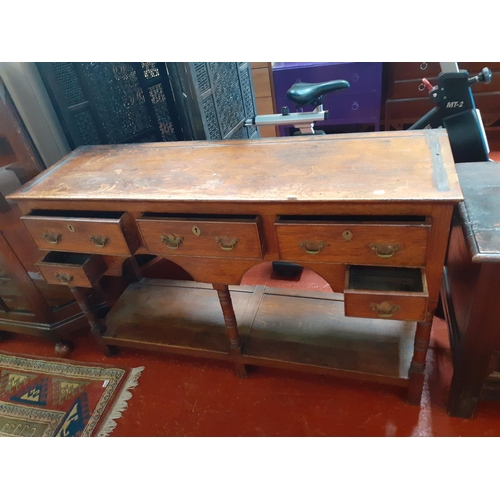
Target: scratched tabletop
(389, 166)
(480, 210)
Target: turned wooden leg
(63, 348)
(417, 367)
(97, 326)
(231, 327)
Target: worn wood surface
(353, 167)
(480, 210)
(471, 285)
(323, 337)
(382, 199)
(63, 268)
(82, 234)
(389, 244)
(210, 238)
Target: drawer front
(72, 269)
(355, 108)
(384, 306)
(201, 238)
(406, 110)
(71, 234)
(414, 89)
(383, 245)
(414, 70)
(385, 293)
(411, 89)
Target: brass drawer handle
(52, 238)
(312, 247)
(64, 278)
(99, 241)
(171, 241)
(384, 309)
(384, 250)
(226, 243)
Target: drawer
(109, 233)
(409, 89)
(72, 269)
(385, 293)
(414, 70)
(202, 236)
(376, 241)
(355, 108)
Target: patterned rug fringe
(121, 404)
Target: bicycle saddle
(305, 93)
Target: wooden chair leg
(231, 327)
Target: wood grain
(394, 166)
(376, 244)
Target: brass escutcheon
(171, 241)
(70, 228)
(384, 309)
(347, 235)
(196, 230)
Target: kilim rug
(48, 397)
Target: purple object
(359, 104)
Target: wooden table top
(480, 210)
(390, 166)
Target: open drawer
(108, 233)
(385, 292)
(72, 269)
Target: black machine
(456, 112)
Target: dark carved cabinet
(116, 102)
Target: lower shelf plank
(306, 331)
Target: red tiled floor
(183, 396)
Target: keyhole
(347, 235)
(71, 228)
(196, 231)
